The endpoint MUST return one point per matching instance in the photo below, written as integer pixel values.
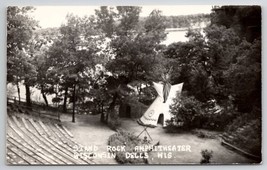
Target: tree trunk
(65, 100)
(28, 96)
(139, 89)
(44, 96)
(102, 117)
(18, 91)
(99, 107)
(45, 99)
(73, 108)
(111, 108)
(102, 107)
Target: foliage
(206, 156)
(130, 141)
(245, 20)
(186, 109)
(135, 47)
(72, 59)
(202, 133)
(216, 121)
(46, 78)
(94, 59)
(20, 27)
(174, 127)
(250, 138)
(189, 113)
(147, 96)
(247, 70)
(247, 133)
(235, 48)
(20, 68)
(190, 59)
(106, 20)
(222, 62)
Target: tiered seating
(31, 140)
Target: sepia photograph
(134, 85)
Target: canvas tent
(158, 107)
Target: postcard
(149, 85)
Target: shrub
(186, 109)
(237, 122)
(148, 95)
(217, 121)
(201, 133)
(216, 115)
(174, 127)
(130, 141)
(206, 156)
(247, 133)
(189, 113)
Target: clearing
(88, 130)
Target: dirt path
(221, 155)
(89, 131)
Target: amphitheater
(35, 140)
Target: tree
(46, 80)
(128, 17)
(72, 57)
(244, 77)
(63, 53)
(136, 48)
(191, 65)
(106, 20)
(20, 27)
(232, 38)
(211, 66)
(245, 20)
(186, 110)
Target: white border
(5, 3)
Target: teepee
(158, 107)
